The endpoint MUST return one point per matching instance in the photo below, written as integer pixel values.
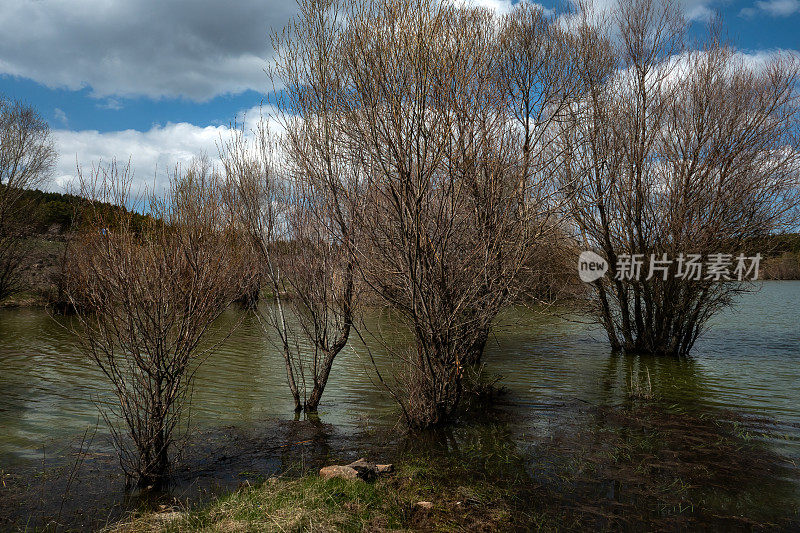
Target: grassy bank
(313, 503)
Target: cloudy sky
(156, 81)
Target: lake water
(747, 363)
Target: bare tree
(299, 213)
(413, 146)
(300, 231)
(675, 152)
(417, 101)
(27, 157)
(536, 80)
(147, 290)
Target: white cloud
(111, 103)
(153, 154)
(756, 60)
(60, 116)
(500, 7)
(677, 67)
(775, 8)
(698, 12)
(693, 10)
(195, 49)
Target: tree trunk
(475, 352)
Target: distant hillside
(56, 213)
(48, 218)
(49, 209)
(781, 255)
(53, 215)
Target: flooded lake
(747, 365)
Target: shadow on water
(650, 464)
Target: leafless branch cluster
(299, 232)
(675, 151)
(413, 153)
(147, 290)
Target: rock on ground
(361, 469)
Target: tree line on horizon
(438, 160)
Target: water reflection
(677, 380)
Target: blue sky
(156, 81)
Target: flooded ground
(714, 440)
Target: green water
(747, 363)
